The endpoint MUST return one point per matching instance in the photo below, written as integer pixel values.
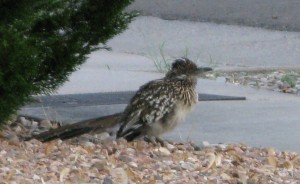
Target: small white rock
(133, 164)
(34, 124)
(46, 124)
(89, 144)
(103, 136)
(4, 169)
(130, 150)
(18, 129)
(191, 159)
(24, 121)
(187, 166)
(164, 151)
(3, 152)
(36, 177)
(170, 147)
(168, 162)
(205, 143)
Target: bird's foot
(157, 141)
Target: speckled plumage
(159, 105)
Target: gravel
(102, 159)
(280, 80)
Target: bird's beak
(201, 70)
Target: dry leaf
(253, 177)
(133, 176)
(295, 158)
(211, 161)
(49, 147)
(139, 145)
(130, 173)
(152, 180)
(10, 175)
(82, 150)
(272, 161)
(287, 165)
(68, 181)
(64, 173)
(218, 160)
(237, 158)
(225, 176)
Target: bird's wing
(150, 104)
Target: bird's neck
(186, 80)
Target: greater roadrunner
(160, 105)
(157, 107)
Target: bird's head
(185, 67)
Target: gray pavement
(220, 46)
(282, 15)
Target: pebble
(133, 164)
(168, 162)
(103, 136)
(25, 122)
(164, 151)
(283, 86)
(107, 180)
(13, 139)
(46, 124)
(125, 159)
(18, 129)
(100, 165)
(252, 83)
(4, 169)
(205, 143)
(130, 150)
(36, 177)
(89, 144)
(191, 159)
(170, 147)
(34, 124)
(119, 176)
(187, 165)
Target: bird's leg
(156, 140)
(150, 139)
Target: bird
(157, 107)
(160, 105)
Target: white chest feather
(164, 126)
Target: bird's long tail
(96, 125)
